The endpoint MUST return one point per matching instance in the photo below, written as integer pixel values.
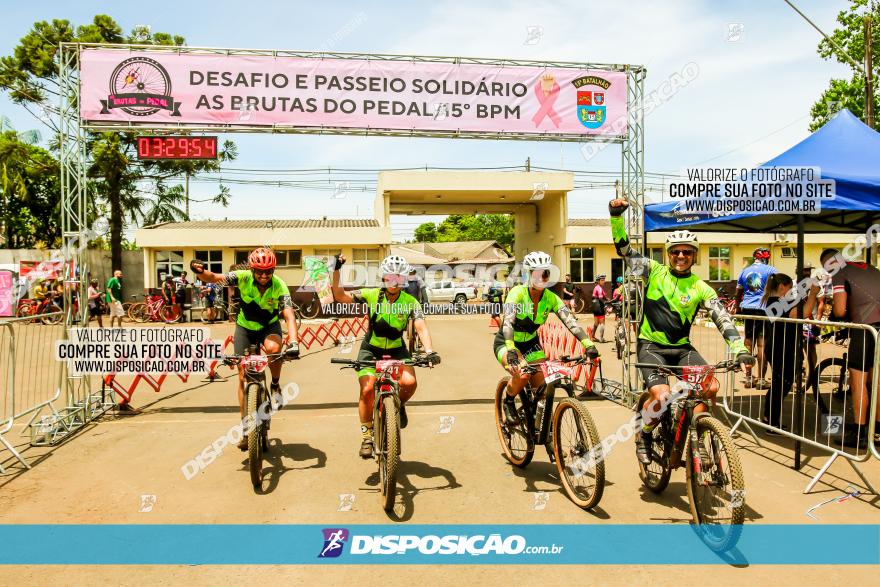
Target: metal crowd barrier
(33, 378)
(808, 400)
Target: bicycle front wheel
(254, 436)
(717, 491)
(656, 475)
(389, 453)
(579, 305)
(579, 457)
(516, 439)
(139, 312)
(56, 318)
(311, 310)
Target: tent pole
(798, 424)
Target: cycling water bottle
(539, 414)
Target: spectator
(96, 308)
(749, 293)
(168, 290)
(180, 293)
(811, 331)
(855, 297)
(780, 345)
(599, 299)
(416, 287)
(114, 297)
(568, 290)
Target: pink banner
(6, 293)
(199, 89)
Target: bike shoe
(404, 420)
(366, 451)
(243, 444)
(510, 415)
(643, 440)
(274, 388)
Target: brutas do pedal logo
(140, 86)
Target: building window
(367, 258)
(719, 263)
(289, 258)
(327, 252)
(168, 263)
(580, 263)
(213, 260)
(656, 253)
(241, 257)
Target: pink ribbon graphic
(547, 102)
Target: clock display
(181, 147)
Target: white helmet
(394, 265)
(537, 260)
(682, 237)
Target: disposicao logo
(334, 540)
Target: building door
(616, 271)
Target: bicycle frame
(532, 395)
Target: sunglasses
(263, 271)
(681, 253)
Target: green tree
(29, 193)
(117, 179)
(468, 227)
(850, 37)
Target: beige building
(538, 202)
(169, 247)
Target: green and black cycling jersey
(388, 319)
(671, 301)
(258, 310)
(522, 317)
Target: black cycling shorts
(860, 355)
(369, 352)
(243, 337)
(657, 354)
(754, 328)
(531, 350)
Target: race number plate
(554, 371)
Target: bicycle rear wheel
(171, 314)
(579, 305)
(579, 457)
(516, 440)
(389, 452)
(717, 492)
(311, 309)
(254, 436)
(139, 312)
(656, 475)
(52, 309)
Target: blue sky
(750, 101)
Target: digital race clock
(181, 147)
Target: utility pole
(187, 196)
(869, 75)
(528, 163)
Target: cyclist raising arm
(263, 296)
(389, 309)
(525, 309)
(672, 297)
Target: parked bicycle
(45, 310)
(308, 310)
(682, 437)
(386, 418)
(567, 432)
(257, 399)
(154, 308)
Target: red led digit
(197, 147)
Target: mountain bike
(45, 310)
(714, 474)
(257, 400)
(386, 418)
(154, 308)
(568, 432)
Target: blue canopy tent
(847, 151)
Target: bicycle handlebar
(287, 354)
(723, 366)
(421, 361)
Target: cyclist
(671, 300)
(526, 307)
(749, 292)
(264, 296)
(599, 299)
(41, 290)
(389, 309)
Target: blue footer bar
(439, 544)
